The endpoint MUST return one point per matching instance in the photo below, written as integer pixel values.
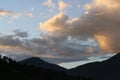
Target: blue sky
(62, 30)
(38, 11)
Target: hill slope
(35, 61)
(11, 70)
(106, 70)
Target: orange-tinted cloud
(9, 13)
(6, 13)
(101, 22)
(57, 23)
(49, 3)
(63, 5)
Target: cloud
(49, 3)
(13, 41)
(9, 13)
(65, 39)
(57, 48)
(105, 4)
(8, 42)
(29, 14)
(20, 34)
(15, 15)
(57, 23)
(102, 23)
(5, 13)
(63, 5)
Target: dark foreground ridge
(36, 69)
(106, 70)
(12, 70)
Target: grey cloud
(50, 47)
(20, 33)
(9, 40)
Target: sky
(99, 58)
(59, 31)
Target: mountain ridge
(105, 70)
(12, 70)
(37, 68)
(35, 61)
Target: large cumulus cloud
(101, 22)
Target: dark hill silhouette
(12, 70)
(35, 61)
(36, 69)
(105, 70)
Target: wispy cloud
(21, 34)
(15, 15)
(63, 5)
(6, 13)
(28, 14)
(49, 3)
(9, 13)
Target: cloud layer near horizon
(60, 49)
(101, 22)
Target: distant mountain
(12, 70)
(105, 70)
(35, 61)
